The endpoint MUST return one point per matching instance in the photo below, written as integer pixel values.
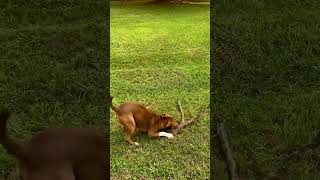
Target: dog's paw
(165, 134)
(136, 143)
(169, 135)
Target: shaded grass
(53, 67)
(159, 54)
(267, 83)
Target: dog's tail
(12, 147)
(113, 107)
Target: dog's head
(168, 121)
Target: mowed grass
(52, 68)
(159, 54)
(266, 75)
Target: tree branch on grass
(185, 122)
(227, 153)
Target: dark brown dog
(136, 117)
(58, 154)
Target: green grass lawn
(159, 54)
(52, 68)
(267, 74)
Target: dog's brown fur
(136, 117)
(58, 154)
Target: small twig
(224, 145)
(181, 111)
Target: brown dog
(58, 154)
(136, 117)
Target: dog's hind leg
(129, 127)
(128, 137)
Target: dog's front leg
(168, 135)
(160, 134)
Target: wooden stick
(181, 111)
(185, 123)
(224, 145)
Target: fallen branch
(185, 123)
(224, 146)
